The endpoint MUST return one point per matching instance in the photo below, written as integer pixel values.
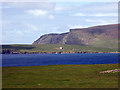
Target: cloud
(89, 20)
(105, 14)
(105, 22)
(78, 14)
(60, 8)
(51, 17)
(100, 7)
(18, 32)
(37, 12)
(96, 15)
(31, 27)
(63, 7)
(101, 21)
(95, 9)
(60, 0)
(76, 26)
(30, 5)
(33, 19)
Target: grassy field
(60, 76)
(55, 48)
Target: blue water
(57, 59)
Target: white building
(60, 47)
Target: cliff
(97, 36)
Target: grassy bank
(55, 48)
(60, 76)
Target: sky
(23, 23)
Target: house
(60, 47)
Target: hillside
(52, 48)
(98, 36)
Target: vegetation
(55, 48)
(60, 76)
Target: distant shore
(53, 49)
(13, 52)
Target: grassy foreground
(60, 76)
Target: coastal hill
(105, 36)
(95, 39)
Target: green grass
(54, 48)
(60, 76)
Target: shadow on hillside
(17, 47)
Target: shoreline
(54, 49)
(56, 52)
(62, 65)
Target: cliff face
(98, 36)
(51, 39)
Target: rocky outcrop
(110, 71)
(51, 39)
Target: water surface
(58, 59)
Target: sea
(9, 60)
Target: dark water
(57, 59)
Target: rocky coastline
(60, 52)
